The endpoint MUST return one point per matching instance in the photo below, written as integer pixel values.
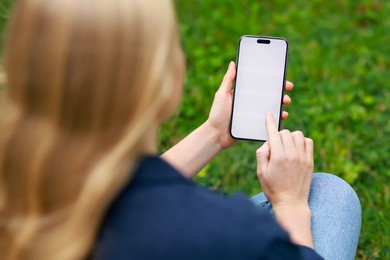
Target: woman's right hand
(285, 166)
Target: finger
(228, 79)
(284, 115)
(289, 86)
(288, 142)
(262, 156)
(299, 140)
(286, 100)
(275, 143)
(309, 147)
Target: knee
(335, 191)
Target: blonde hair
(85, 80)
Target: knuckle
(285, 132)
(298, 134)
(309, 141)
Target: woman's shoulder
(158, 187)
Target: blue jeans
(336, 216)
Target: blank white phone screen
(259, 86)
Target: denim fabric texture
(336, 216)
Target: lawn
(339, 60)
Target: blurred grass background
(339, 61)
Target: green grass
(339, 60)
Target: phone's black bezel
(235, 80)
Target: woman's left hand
(220, 113)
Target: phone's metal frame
(283, 87)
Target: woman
(89, 82)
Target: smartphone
(259, 85)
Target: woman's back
(176, 219)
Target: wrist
(214, 134)
(302, 210)
(300, 206)
(296, 220)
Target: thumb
(262, 156)
(228, 79)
